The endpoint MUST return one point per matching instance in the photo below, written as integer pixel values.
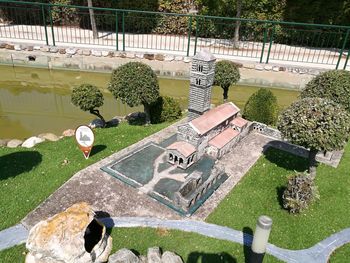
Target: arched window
(171, 157)
(181, 161)
(188, 161)
(175, 158)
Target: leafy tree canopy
(315, 123)
(87, 97)
(333, 85)
(134, 83)
(226, 73)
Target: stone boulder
(154, 255)
(49, 136)
(124, 256)
(14, 143)
(97, 123)
(72, 236)
(68, 133)
(3, 142)
(170, 257)
(32, 141)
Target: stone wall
(165, 65)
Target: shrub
(226, 74)
(135, 83)
(262, 107)
(300, 192)
(165, 109)
(333, 85)
(88, 97)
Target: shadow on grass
(97, 148)
(247, 240)
(279, 194)
(284, 159)
(201, 257)
(16, 163)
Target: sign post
(85, 138)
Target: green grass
(341, 255)
(29, 176)
(259, 193)
(13, 255)
(193, 248)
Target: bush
(333, 85)
(262, 107)
(165, 109)
(300, 192)
(88, 97)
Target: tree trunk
(147, 112)
(92, 20)
(238, 23)
(97, 113)
(225, 94)
(312, 163)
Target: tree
(92, 19)
(135, 83)
(226, 74)
(333, 85)
(238, 22)
(317, 124)
(262, 107)
(88, 97)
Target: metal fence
(185, 34)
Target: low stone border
(71, 52)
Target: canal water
(34, 101)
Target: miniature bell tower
(201, 80)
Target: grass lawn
(29, 176)
(341, 255)
(193, 248)
(259, 193)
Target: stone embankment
(165, 65)
(34, 140)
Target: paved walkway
(13, 236)
(174, 44)
(316, 254)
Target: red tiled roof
(223, 138)
(214, 117)
(182, 147)
(239, 122)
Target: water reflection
(33, 101)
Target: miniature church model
(209, 131)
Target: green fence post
(271, 39)
(195, 40)
(346, 61)
(116, 31)
(342, 48)
(51, 23)
(123, 28)
(44, 21)
(263, 47)
(189, 35)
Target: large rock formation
(71, 236)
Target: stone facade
(201, 79)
